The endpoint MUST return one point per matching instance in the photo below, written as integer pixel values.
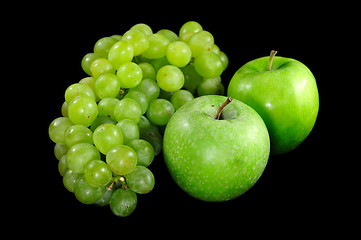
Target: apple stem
(272, 55)
(229, 99)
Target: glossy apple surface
(215, 160)
(286, 97)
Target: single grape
(181, 97)
(224, 59)
(147, 70)
(160, 111)
(57, 129)
(122, 159)
(211, 86)
(191, 78)
(172, 36)
(102, 46)
(170, 78)
(144, 28)
(158, 45)
(79, 155)
(83, 110)
(144, 150)
(62, 167)
(90, 81)
(69, 179)
(97, 173)
(179, 54)
(138, 40)
(140, 97)
(129, 130)
(129, 74)
(87, 60)
(188, 29)
(106, 107)
(78, 89)
(59, 150)
(141, 180)
(120, 53)
(128, 108)
(101, 66)
(200, 42)
(86, 193)
(107, 136)
(64, 109)
(107, 86)
(117, 37)
(123, 202)
(78, 134)
(208, 65)
(149, 87)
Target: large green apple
(216, 159)
(284, 93)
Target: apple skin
(215, 160)
(286, 98)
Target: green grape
(57, 129)
(78, 134)
(79, 155)
(158, 45)
(144, 150)
(165, 95)
(106, 107)
(107, 136)
(128, 108)
(123, 202)
(149, 87)
(200, 42)
(86, 193)
(102, 46)
(224, 59)
(122, 159)
(191, 78)
(147, 70)
(188, 29)
(129, 130)
(120, 53)
(170, 78)
(83, 110)
(64, 109)
(69, 179)
(181, 97)
(59, 150)
(78, 89)
(208, 65)
(160, 111)
(105, 199)
(86, 62)
(90, 81)
(101, 120)
(141, 180)
(215, 49)
(159, 63)
(101, 66)
(211, 86)
(179, 54)
(138, 40)
(140, 97)
(107, 86)
(97, 173)
(144, 28)
(62, 167)
(152, 136)
(117, 37)
(130, 75)
(172, 37)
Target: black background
(297, 190)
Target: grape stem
(270, 61)
(229, 99)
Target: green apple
(284, 93)
(215, 148)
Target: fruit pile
(113, 120)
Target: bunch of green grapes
(112, 121)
